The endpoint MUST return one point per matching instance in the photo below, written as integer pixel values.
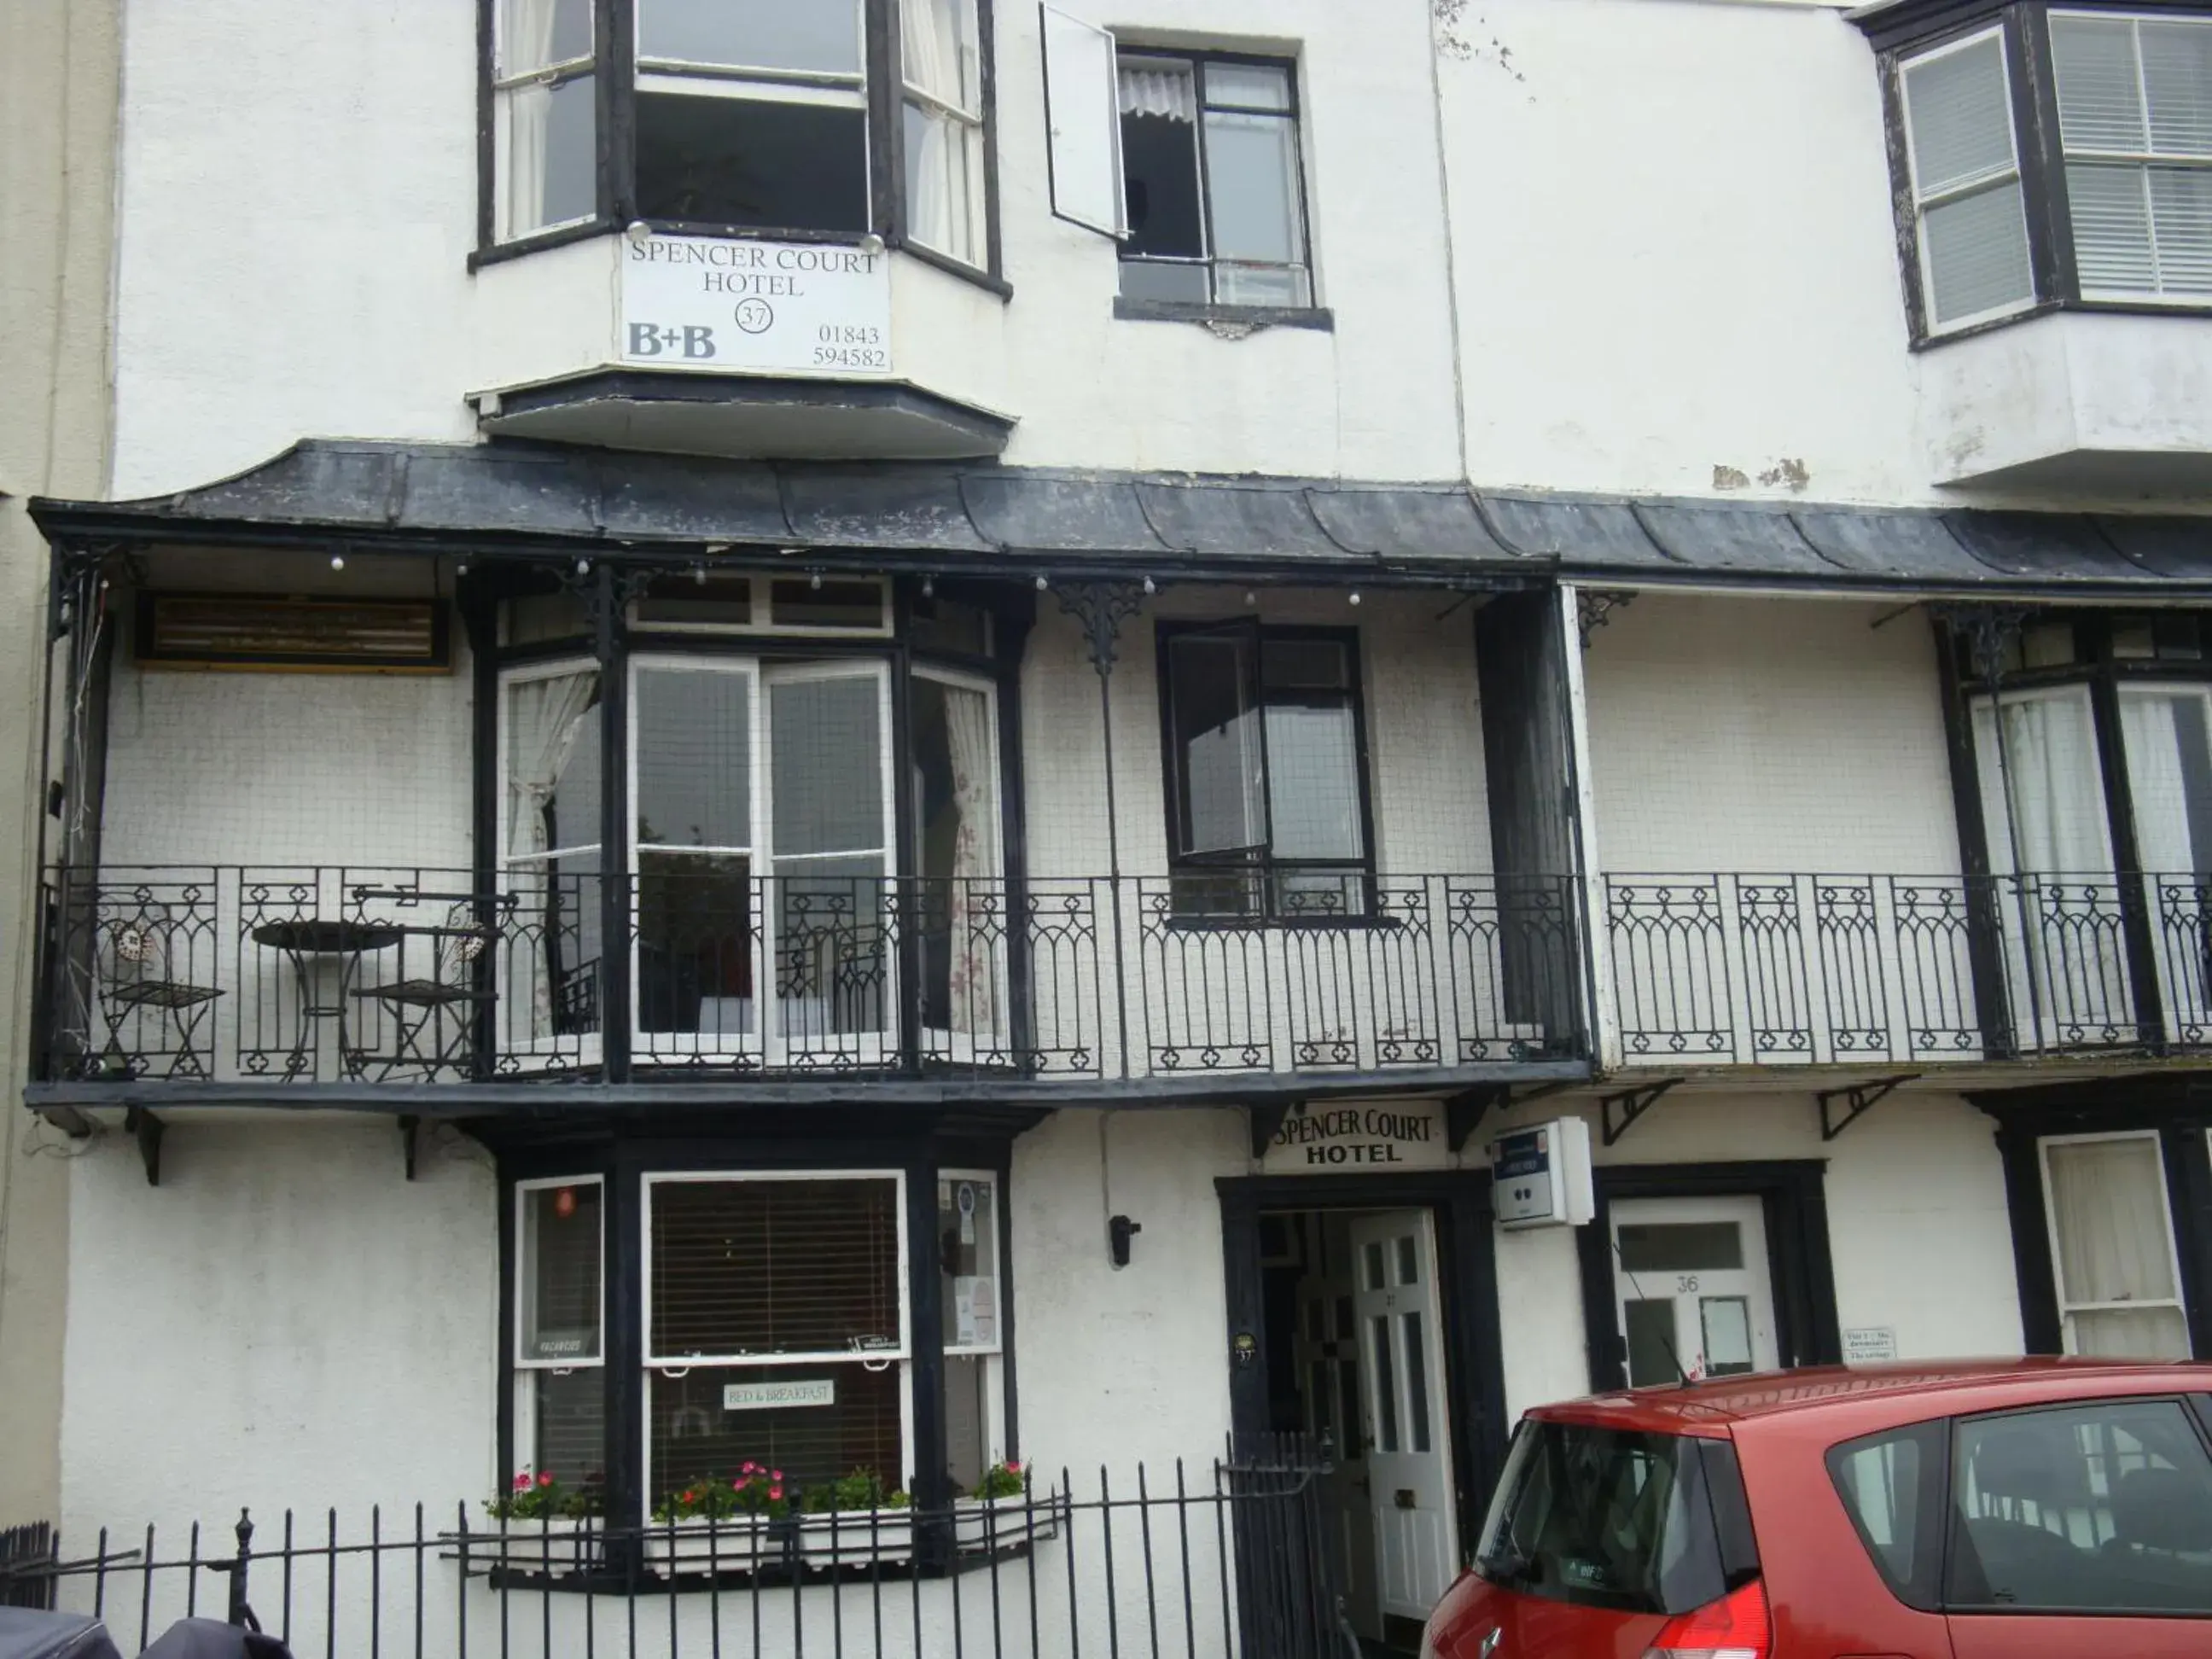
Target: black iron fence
(355, 973)
(1222, 1563)
(1832, 968)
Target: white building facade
(881, 736)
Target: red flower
(775, 1474)
(522, 1481)
(691, 1497)
(544, 1480)
(1012, 1467)
(750, 1467)
(741, 1485)
(775, 1494)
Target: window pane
(1385, 1384)
(1650, 1342)
(1176, 284)
(2176, 63)
(1251, 165)
(967, 1450)
(548, 162)
(2042, 789)
(772, 166)
(773, 1267)
(833, 922)
(945, 184)
(552, 743)
(851, 1422)
(1977, 254)
(1248, 86)
(696, 938)
(1317, 1397)
(1348, 1385)
(1217, 739)
(1292, 665)
(799, 603)
(558, 1263)
(1409, 1260)
(1880, 1481)
(967, 1249)
(2181, 224)
(534, 34)
(822, 35)
(566, 1436)
(826, 750)
(2092, 1508)
(1417, 1382)
(2108, 1209)
(2169, 752)
(1959, 108)
(2112, 227)
(1312, 783)
(2100, 103)
(728, 600)
(1726, 1324)
(940, 51)
(2128, 1334)
(1159, 159)
(693, 758)
(1373, 1257)
(1680, 1246)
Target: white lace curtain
(939, 43)
(975, 966)
(544, 719)
(525, 35)
(1158, 89)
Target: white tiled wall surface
(1766, 735)
(288, 768)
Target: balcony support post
(146, 1130)
(1266, 1122)
(1858, 1100)
(409, 1138)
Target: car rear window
(1609, 1518)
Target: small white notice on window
(1864, 1345)
(767, 1396)
(711, 302)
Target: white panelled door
(1694, 1291)
(1400, 1319)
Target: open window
(1191, 160)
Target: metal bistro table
(308, 943)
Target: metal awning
(993, 519)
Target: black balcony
(1832, 970)
(235, 978)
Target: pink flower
(775, 1493)
(1012, 1467)
(544, 1480)
(522, 1481)
(775, 1474)
(750, 1467)
(741, 1485)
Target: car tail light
(1733, 1627)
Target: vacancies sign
(752, 307)
(1325, 1138)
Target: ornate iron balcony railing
(1720, 968)
(696, 967)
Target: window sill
(960, 268)
(1246, 318)
(2200, 310)
(538, 242)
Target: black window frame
(615, 66)
(1133, 305)
(1189, 873)
(621, 1163)
(1904, 33)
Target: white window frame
(992, 1353)
(764, 1041)
(2142, 160)
(1975, 186)
(588, 1046)
(762, 590)
(504, 87)
(970, 121)
(960, 1046)
(875, 1359)
(2067, 1309)
(525, 1370)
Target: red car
(2003, 1510)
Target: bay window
(2051, 157)
(834, 118)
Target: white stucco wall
(1766, 735)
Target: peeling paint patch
(1460, 37)
(1789, 471)
(1729, 477)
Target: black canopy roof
(999, 520)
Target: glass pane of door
(960, 906)
(2167, 734)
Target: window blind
(2134, 116)
(1965, 182)
(758, 1267)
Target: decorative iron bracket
(1858, 1100)
(1633, 1103)
(1594, 608)
(630, 581)
(146, 1130)
(1101, 608)
(408, 1140)
(1987, 631)
(1266, 1121)
(1464, 1112)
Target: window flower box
(998, 1523)
(556, 1546)
(737, 1543)
(856, 1537)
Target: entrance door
(1327, 1352)
(1695, 1296)
(1403, 1389)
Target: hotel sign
(755, 308)
(768, 1396)
(1322, 1138)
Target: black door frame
(1475, 1374)
(1800, 1268)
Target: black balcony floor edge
(464, 1100)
